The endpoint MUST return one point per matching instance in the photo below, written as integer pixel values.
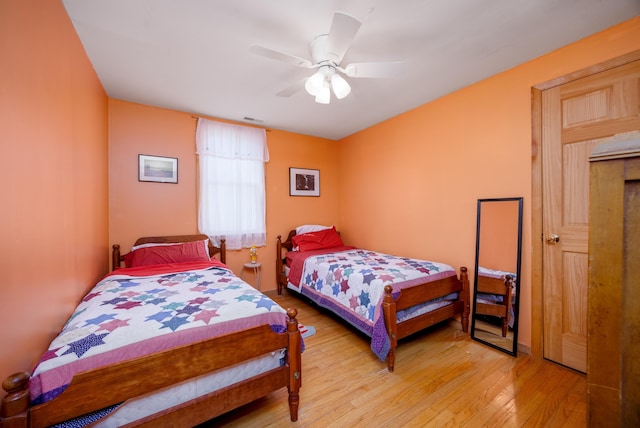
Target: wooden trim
(589, 71)
(536, 224)
(537, 327)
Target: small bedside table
(256, 268)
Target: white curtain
(232, 188)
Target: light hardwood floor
(442, 378)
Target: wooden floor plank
(442, 378)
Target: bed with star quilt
(496, 297)
(384, 296)
(181, 339)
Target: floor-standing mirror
(497, 273)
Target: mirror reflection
(497, 273)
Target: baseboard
(524, 349)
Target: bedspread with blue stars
(351, 284)
(125, 317)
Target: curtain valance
(225, 140)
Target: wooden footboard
(407, 298)
(412, 296)
(129, 379)
(499, 287)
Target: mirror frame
(516, 307)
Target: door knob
(553, 238)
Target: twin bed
(384, 296)
(174, 339)
(495, 296)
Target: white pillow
(306, 228)
(159, 244)
(152, 244)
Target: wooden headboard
(281, 278)
(288, 243)
(117, 258)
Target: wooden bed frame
(500, 287)
(117, 258)
(407, 298)
(122, 381)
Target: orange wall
(499, 236)
(143, 209)
(53, 133)
(424, 170)
(396, 180)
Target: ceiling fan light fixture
(324, 95)
(351, 70)
(340, 86)
(327, 52)
(315, 83)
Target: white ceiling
(193, 55)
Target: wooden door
(577, 116)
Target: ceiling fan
(327, 52)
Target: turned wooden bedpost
(223, 250)
(279, 262)
(508, 283)
(466, 297)
(15, 405)
(295, 363)
(115, 257)
(389, 313)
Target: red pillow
(327, 238)
(186, 252)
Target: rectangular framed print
(157, 169)
(304, 182)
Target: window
(232, 195)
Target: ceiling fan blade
(293, 89)
(343, 29)
(375, 69)
(280, 56)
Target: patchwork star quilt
(351, 283)
(137, 311)
(492, 298)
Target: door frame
(537, 316)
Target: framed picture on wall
(304, 182)
(157, 169)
